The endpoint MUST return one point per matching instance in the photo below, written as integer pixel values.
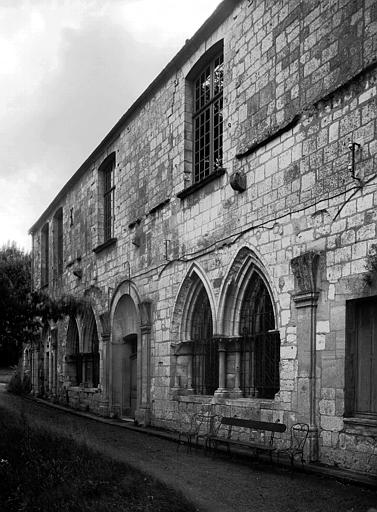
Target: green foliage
(23, 312)
(16, 323)
(19, 385)
(371, 265)
(41, 472)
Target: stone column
(34, 369)
(237, 370)
(50, 368)
(54, 343)
(221, 391)
(104, 374)
(190, 388)
(305, 269)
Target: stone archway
(124, 345)
(249, 330)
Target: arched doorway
(124, 357)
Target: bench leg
(179, 441)
(207, 446)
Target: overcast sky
(69, 69)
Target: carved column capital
(105, 322)
(145, 308)
(305, 268)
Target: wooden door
(366, 358)
(133, 386)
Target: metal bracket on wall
(353, 147)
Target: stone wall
(299, 87)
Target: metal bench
(259, 435)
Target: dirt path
(213, 484)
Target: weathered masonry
(219, 246)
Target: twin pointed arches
(230, 345)
(82, 360)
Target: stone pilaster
(104, 374)
(305, 268)
(142, 414)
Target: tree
(24, 312)
(17, 320)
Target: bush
(18, 385)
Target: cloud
(68, 71)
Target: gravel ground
(214, 484)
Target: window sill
(83, 389)
(200, 184)
(105, 245)
(264, 403)
(363, 422)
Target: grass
(42, 472)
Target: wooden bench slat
(249, 444)
(254, 424)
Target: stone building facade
(218, 246)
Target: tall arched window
(45, 263)
(208, 118)
(205, 348)
(58, 243)
(90, 355)
(73, 358)
(106, 203)
(260, 354)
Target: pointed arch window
(260, 352)
(82, 366)
(90, 355)
(73, 358)
(205, 347)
